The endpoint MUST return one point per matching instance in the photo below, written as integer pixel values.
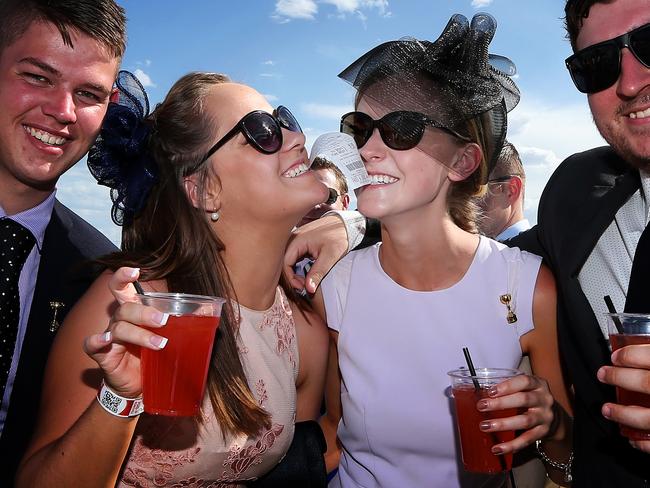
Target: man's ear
(345, 200)
(467, 162)
(114, 96)
(514, 188)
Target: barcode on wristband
(111, 402)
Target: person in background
(333, 178)
(58, 62)
(187, 184)
(592, 232)
(503, 203)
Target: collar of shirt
(645, 192)
(513, 230)
(35, 219)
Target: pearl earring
(214, 216)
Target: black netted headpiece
(450, 80)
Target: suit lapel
(600, 207)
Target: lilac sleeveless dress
(395, 347)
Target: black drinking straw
(610, 307)
(470, 365)
(138, 287)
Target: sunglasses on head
(399, 130)
(597, 67)
(262, 130)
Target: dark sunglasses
(597, 67)
(333, 196)
(399, 130)
(262, 130)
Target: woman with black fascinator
(207, 189)
(429, 123)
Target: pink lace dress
(176, 452)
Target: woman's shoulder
(509, 254)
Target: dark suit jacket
(578, 204)
(68, 242)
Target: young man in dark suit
(591, 218)
(58, 61)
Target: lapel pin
(55, 306)
(506, 299)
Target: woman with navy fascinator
(207, 189)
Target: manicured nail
(134, 272)
(160, 318)
(607, 411)
(158, 341)
(312, 284)
(107, 336)
(493, 390)
(497, 450)
(485, 425)
(601, 374)
(482, 405)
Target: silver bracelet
(565, 467)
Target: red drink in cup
(634, 329)
(475, 444)
(174, 378)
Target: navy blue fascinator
(120, 158)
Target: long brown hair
(172, 240)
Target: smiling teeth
(297, 171)
(381, 179)
(45, 137)
(640, 115)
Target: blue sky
(292, 50)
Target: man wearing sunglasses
(503, 202)
(331, 176)
(590, 219)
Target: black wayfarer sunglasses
(399, 130)
(597, 67)
(262, 130)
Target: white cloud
(295, 9)
(324, 111)
(270, 98)
(78, 190)
(144, 78)
(269, 62)
(544, 136)
(481, 3)
(307, 9)
(270, 75)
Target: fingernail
(601, 374)
(160, 318)
(482, 405)
(497, 450)
(485, 425)
(107, 336)
(158, 341)
(135, 272)
(492, 391)
(607, 411)
(312, 284)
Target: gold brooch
(55, 306)
(506, 299)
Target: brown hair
(170, 239)
(508, 163)
(102, 20)
(322, 163)
(575, 13)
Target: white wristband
(118, 405)
(355, 225)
